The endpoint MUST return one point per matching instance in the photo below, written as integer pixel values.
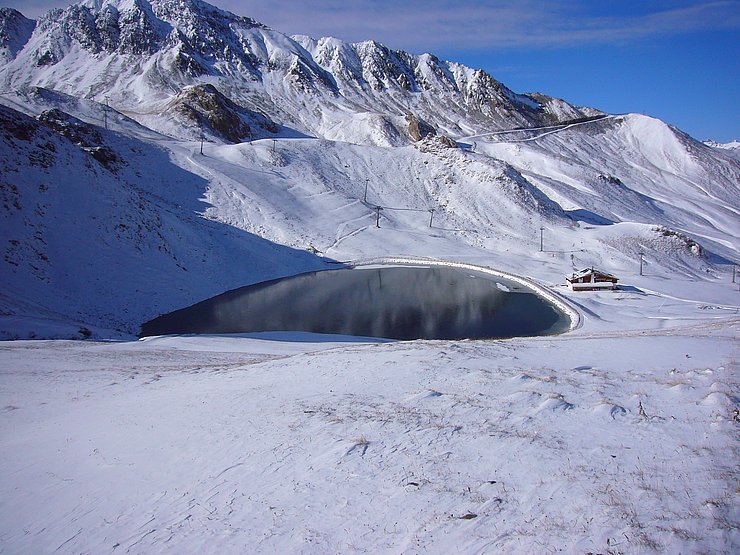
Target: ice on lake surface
(390, 302)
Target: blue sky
(676, 60)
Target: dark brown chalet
(591, 279)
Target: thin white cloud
(434, 24)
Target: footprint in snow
(609, 409)
(555, 403)
(424, 395)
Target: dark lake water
(388, 302)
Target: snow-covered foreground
(603, 442)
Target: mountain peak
(139, 53)
(15, 30)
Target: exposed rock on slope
(418, 129)
(204, 107)
(82, 135)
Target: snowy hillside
(733, 147)
(104, 231)
(15, 30)
(631, 168)
(617, 443)
(207, 223)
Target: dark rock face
(15, 30)
(205, 106)
(83, 135)
(68, 126)
(419, 129)
(20, 128)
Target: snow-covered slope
(621, 443)
(15, 30)
(631, 168)
(732, 148)
(77, 245)
(140, 210)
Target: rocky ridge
(140, 52)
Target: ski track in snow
(341, 236)
(551, 130)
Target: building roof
(590, 271)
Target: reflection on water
(390, 302)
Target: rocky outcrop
(203, 106)
(418, 129)
(82, 134)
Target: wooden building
(591, 279)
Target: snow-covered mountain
(138, 53)
(733, 147)
(107, 196)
